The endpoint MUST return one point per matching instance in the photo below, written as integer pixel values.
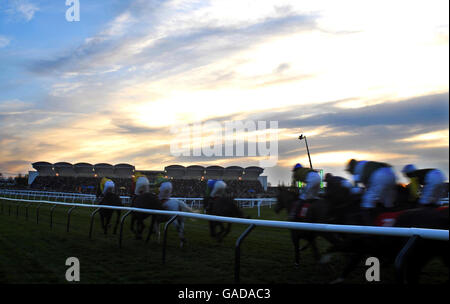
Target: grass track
(31, 253)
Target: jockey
(214, 189)
(432, 181)
(101, 189)
(160, 179)
(142, 185)
(308, 176)
(379, 180)
(338, 188)
(108, 187)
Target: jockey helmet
(297, 166)
(408, 169)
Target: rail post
(237, 253)
(92, 221)
(166, 227)
(400, 260)
(17, 210)
(122, 220)
(68, 217)
(37, 213)
(51, 216)
(26, 211)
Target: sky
(363, 80)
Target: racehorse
(312, 211)
(110, 199)
(221, 206)
(403, 214)
(147, 200)
(170, 205)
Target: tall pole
(307, 149)
(309, 156)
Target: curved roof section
(254, 168)
(124, 166)
(234, 168)
(63, 165)
(103, 165)
(42, 164)
(175, 167)
(83, 165)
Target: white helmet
(165, 190)
(408, 169)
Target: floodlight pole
(307, 149)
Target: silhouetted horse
(146, 200)
(170, 205)
(221, 206)
(310, 211)
(387, 248)
(110, 199)
(338, 206)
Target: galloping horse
(110, 199)
(145, 200)
(221, 206)
(311, 211)
(170, 205)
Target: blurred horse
(170, 205)
(221, 206)
(109, 199)
(311, 211)
(145, 200)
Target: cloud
(21, 9)
(4, 41)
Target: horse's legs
(220, 235)
(150, 231)
(108, 219)
(179, 225)
(227, 230)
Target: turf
(36, 253)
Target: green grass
(34, 253)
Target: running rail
(434, 234)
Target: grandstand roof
(123, 170)
(252, 173)
(44, 168)
(214, 172)
(103, 165)
(84, 169)
(64, 169)
(233, 172)
(195, 171)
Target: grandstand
(187, 181)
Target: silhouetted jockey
(379, 181)
(432, 181)
(308, 176)
(106, 185)
(214, 189)
(338, 189)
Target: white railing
(193, 202)
(435, 234)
